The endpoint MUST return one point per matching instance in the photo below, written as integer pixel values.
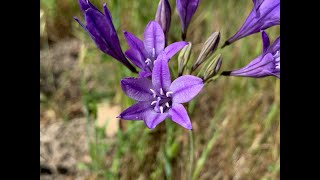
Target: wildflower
(144, 53)
(101, 30)
(265, 14)
(186, 9)
(163, 17)
(267, 64)
(158, 98)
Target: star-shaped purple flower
(267, 64)
(265, 14)
(101, 30)
(158, 98)
(144, 53)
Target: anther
(161, 91)
(153, 53)
(168, 93)
(148, 61)
(167, 104)
(161, 109)
(153, 93)
(153, 102)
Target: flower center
(162, 102)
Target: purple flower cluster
(157, 96)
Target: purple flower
(144, 53)
(267, 64)
(163, 17)
(158, 98)
(186, 9)
(265, 14)
(101, 30)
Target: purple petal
(161, 73)
(153, 39)
(152, 118)
(265, 41)
(99, 23)
(86, 4)
(135, 58)
(186, 9)
(136, 111)
(137, 88)
(163, 16)
(180, 116)
(173, 48)
(185, 88)
(257, 4)
(266, 16)
(257, 68)
(275, 46)
(137, 53)
(97, 36)
(144, 74)
(112, 33)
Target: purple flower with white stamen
(186, 9)
(101, 30)
(144, 53)
(158, 98)
(267, 64)
(265, 14)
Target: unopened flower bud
(184, 57)
(213, 67)
(207, 50)
(163, 17)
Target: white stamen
(153, 53)
(161, 109)
(153, 102)
(167, 104)
(148, 61)
(153, 93)
(161, 91)
(168, 93)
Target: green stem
(191, 151)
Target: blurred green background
(235, 120)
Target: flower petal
(97, 36)
(137, 47)
(136, 111)
(152, 118)
(185, 88)
(135, 58)
(266, 16)
(180, 116)
(86, 4)
(137, 88)
(161, 73)
(265, 41)
(275, 46)
(153, 39)
(259, 67)
(173, 48)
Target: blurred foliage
(235, 120)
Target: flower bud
(183, 58)
(213, 67)
(207, 50)
(163, 16)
